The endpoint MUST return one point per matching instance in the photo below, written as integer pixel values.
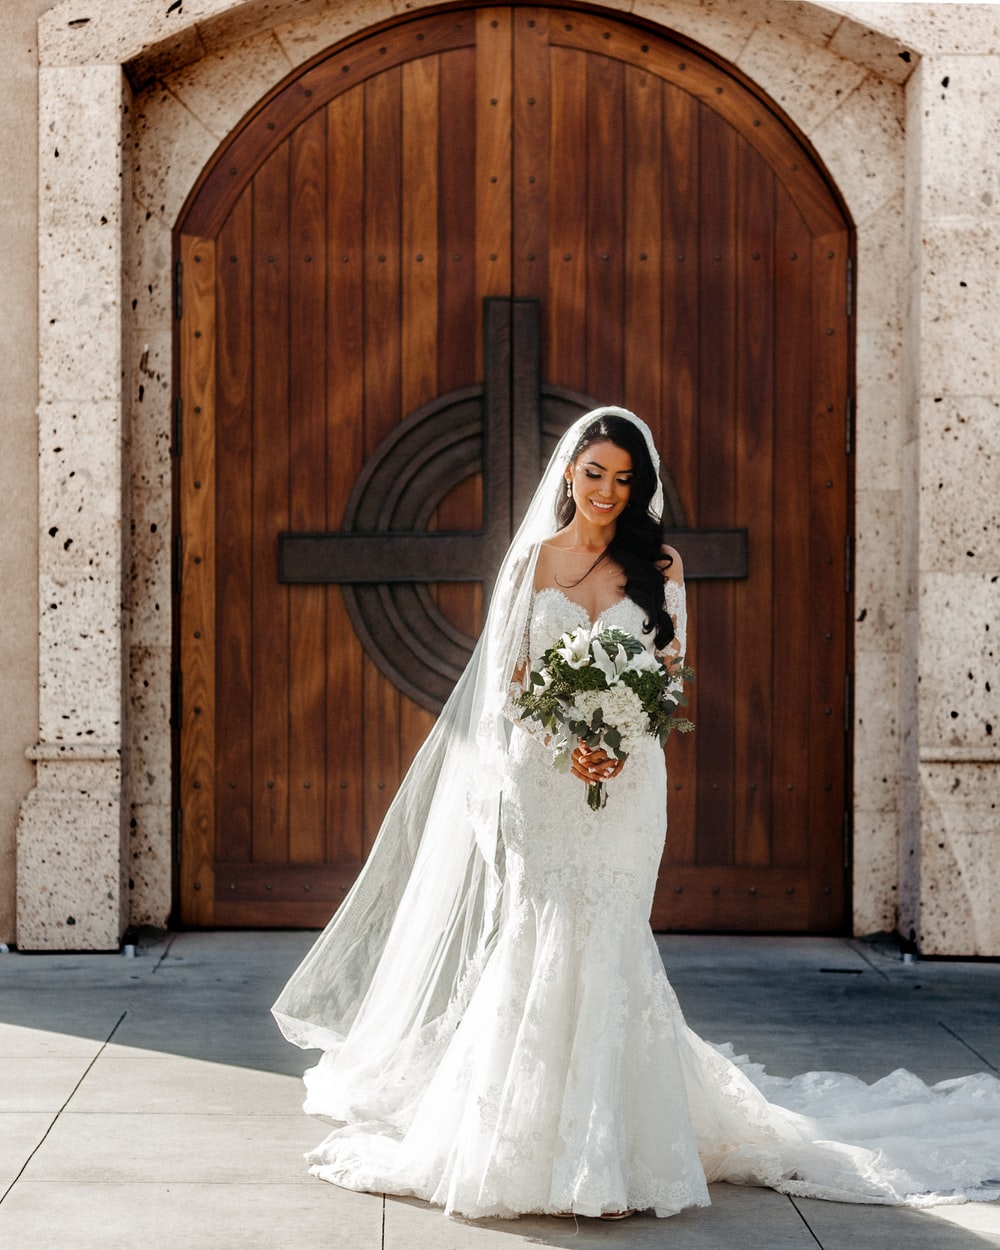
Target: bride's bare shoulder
(549, 552)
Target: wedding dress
(548, 1068)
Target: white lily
(612, 666)
(643, 662)
(575, 649)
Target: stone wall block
(926, 28)
(68, 855)
(960, 858)
(961, 125)
(80, 644)
(233, 24)
(149, 282)
(119, 31)
(806, 80)
(79, 494)
(875, 870)
(149, 725)
(79, 337)
(876, 731)
(878, 588)
(960, 485)
(79, 154)
(724, 30)
(879, 410)
(306, 36)
(960, 294)
(959, 636)
(866, 46)
(171, 147)
(881, 271)
(151, 424)
(150, 586)
(230, 81)
(862, 142)
(150, 868)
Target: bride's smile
(601, 485)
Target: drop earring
(569, 489)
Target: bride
(498, 1033)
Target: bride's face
(601, 478)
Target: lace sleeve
(518, 683)
(675, 601)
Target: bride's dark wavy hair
(637, 546)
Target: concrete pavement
(151, 1104)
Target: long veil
(404, 951)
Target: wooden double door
(407, 270)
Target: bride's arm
(675, 601)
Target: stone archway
(114, 174)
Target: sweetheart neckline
(555, 590)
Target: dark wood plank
(642, 247)
(754, 659)
(234, 527)
(494, 154)
(307, 487)
(419, 192)
(344, 460)
(270, 507)
(382, 379)
(720, 685)
(828, 536)
(532, 126)
(792, 639)
(459, 312)
(564, 309)
(680, 172)
(605, 214)
(197, 342)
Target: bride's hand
(593, 766)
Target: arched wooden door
(642, 228)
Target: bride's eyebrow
(596, 464)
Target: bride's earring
(569, 489)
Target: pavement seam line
(166, 951)
(69, 1099)
(959, 1038)
(866, 958)
(795, 1208)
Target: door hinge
(178, 426)
(848, 563)
(178, 834)
(178, 566)
(849, 425)
(179, 289)
(850, 286)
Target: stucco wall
(18, 426)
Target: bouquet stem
(596, 796)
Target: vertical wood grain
(307, 690)
(344, 460)
(270, 614)
(197, 606)
(233, 540)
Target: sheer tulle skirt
(569, 1080)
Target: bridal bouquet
(602, 686)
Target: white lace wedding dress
(570, 1082)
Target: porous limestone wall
(18, 428)
(863, 82)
